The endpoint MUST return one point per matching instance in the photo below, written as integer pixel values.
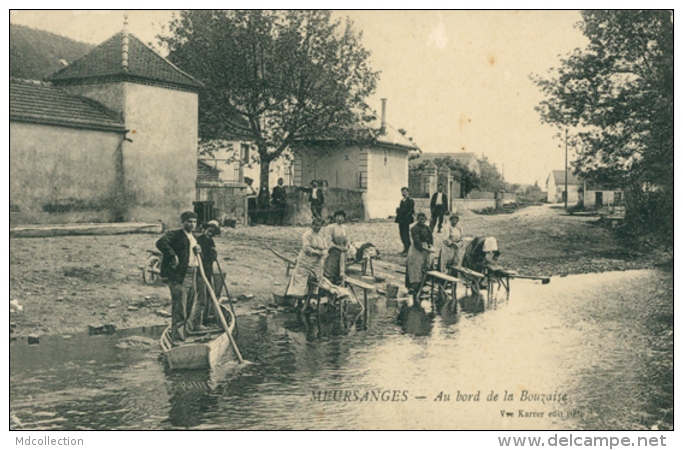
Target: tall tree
(490, 180)
(273, 77)
(616, 98)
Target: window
(245, 154)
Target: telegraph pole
(566, 191)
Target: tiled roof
(107, 60)
(50, 105)
(571, 179)
(35, 54)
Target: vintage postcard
(341, 220)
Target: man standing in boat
(200, 311)
(181, 266)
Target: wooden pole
(566, 191)
(219, 312)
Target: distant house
(555, 187)
(378, 168)
(598, 196)
(111, 135)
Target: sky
(454, 80)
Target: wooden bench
(442, 282)
(350, 283)
(471, 278)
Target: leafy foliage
(273, 77)
(490, 180)
(616, 98)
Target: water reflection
(587, 336)
(414, 320)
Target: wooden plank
(283, 257)
(444, 277)
(360, 284)
(468, 271)
(84, 229)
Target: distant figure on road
(250, 192)
(404, 217)
(317, 200)
(279, 203)
(438, 207)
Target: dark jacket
(444, 203)
(422, 236)
(405, 211)
(279, 196)
(208, 253)
(320, 200)
(174, 243)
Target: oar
(219, 313)
(544, 280)
(225, 287)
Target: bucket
(392, 291)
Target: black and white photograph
(299, 219)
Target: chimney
(384, 114)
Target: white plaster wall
(387, 174)
(338, 165)
(161, 163)
(50, 164)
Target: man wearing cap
(181, 266)
(209, 255)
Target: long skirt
(417, 263)
(450, 256)
(307, 266)
(332, 268)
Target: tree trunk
(264, 190)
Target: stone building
(111, 136)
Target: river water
(575, 354)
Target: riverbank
(64, 284)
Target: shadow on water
(415, 321)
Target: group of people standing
(418, 241)
(263, 207)
(272, 208)
(322, 256)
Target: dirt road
(65, 284)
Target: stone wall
(61, 174)
(228, 199)
(299, 209)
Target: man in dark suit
(438, 207)
(279, 202)
(404, 217)
(181, 266)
